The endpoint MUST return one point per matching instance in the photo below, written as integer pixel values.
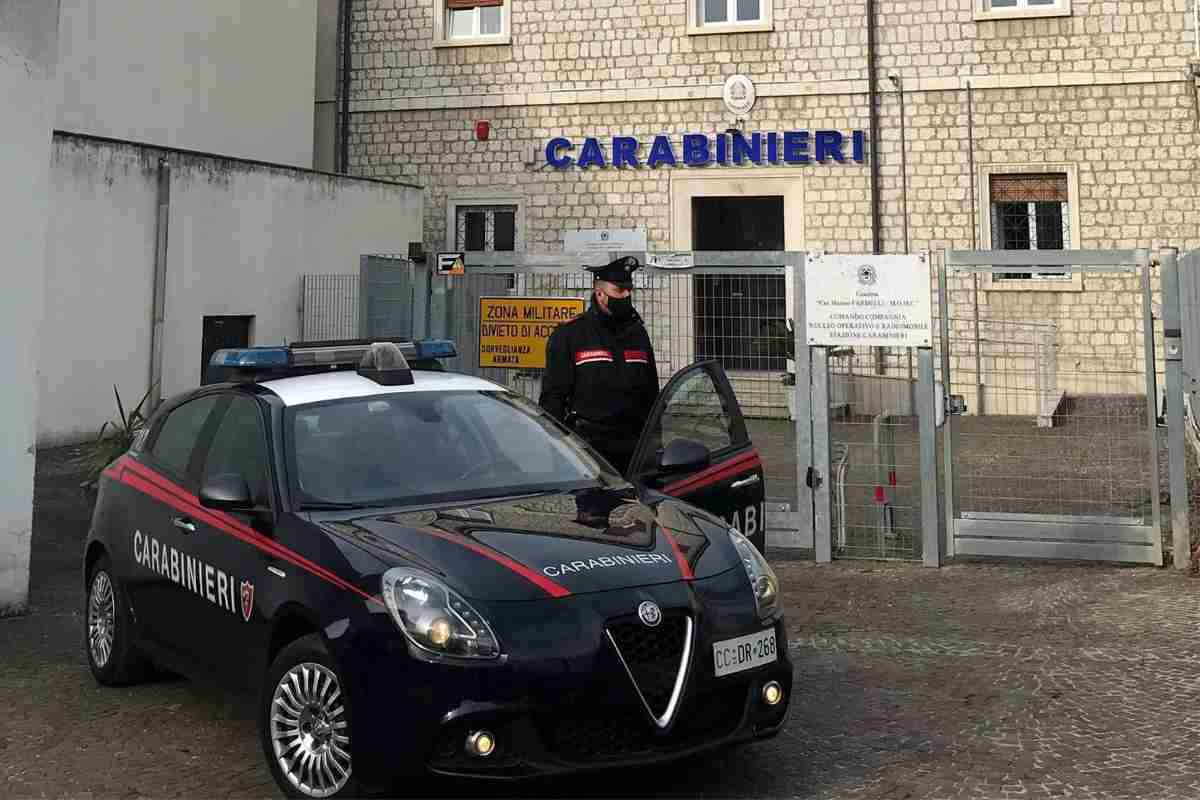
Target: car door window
(697, 404)
(239, 446)
(179, 433)
(695, 411)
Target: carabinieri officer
(601, 379)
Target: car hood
(546, 545)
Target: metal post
(931, 551)
(300, 307)
(439, 306)
(803, 396)
(822, 513)
(1176, 436)
(1143, 257)
(947, 390)
(420, 295)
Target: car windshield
(424, 447)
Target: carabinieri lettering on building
(700, 150)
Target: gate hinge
(813, 478)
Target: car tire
(108, 630)
(304, 711)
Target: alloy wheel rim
(309, 730)
(102, 619)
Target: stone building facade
(1079, 118)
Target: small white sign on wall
(604, 240)
(868, 301)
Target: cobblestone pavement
(975, 681)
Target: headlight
(434, 618)
(763, 582)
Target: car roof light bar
(388, 361)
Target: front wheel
(108, 635)
(305, 723)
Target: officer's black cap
(619, 272)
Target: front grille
(621, 733)
(652, 656)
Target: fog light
(481, 743)
(772, 693)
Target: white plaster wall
(240, 237)
(231, 77)
(28, 32)
(99, 274)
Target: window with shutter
(1030, 212)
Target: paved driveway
(976, 680)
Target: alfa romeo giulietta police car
(419, 572)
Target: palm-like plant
(114, 438)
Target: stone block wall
(1102, 93)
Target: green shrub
(113, 439)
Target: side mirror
(683, 455)
(226, 492)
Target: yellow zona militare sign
(513, 330)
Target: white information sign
(604, 240)
(675, 259)
(868, 301)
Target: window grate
(1030, 212)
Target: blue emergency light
(251, 364)
(252, 358)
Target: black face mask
(620, 308)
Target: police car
(419, 572)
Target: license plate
(744, 652)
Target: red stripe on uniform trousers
(149, 482)
(715, 473)
(544, 583)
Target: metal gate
(1052, 354)
(329, 307)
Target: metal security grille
(1057, 454)
(747, 334)
(742, 322)
(1030, 212)
(875, 464)
(329, 307)
(486, 228)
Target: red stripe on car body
(549, 586)
(176, 495)
(684, 567)
(715, 473)
(147, 481)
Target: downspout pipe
(873, 102)
(158, 308)
(344, 123)
(896, 81)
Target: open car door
(695, 447)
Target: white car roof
(349, 384)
